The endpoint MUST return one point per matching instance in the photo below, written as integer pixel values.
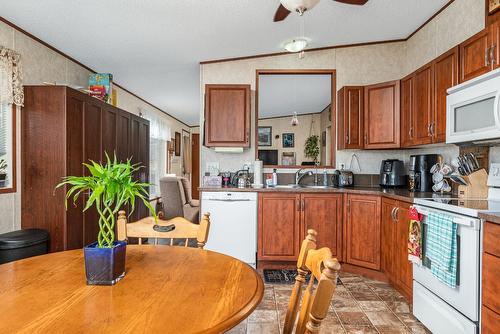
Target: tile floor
(360, 305)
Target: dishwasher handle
(229, 200)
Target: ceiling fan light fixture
(299, 6)
(296, 45)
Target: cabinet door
(388, 227)
(350, 132)
(474, 57)
(404, 266)
(227, 115)
(381, 116)
(123, 135)
(279, 230)
(445, 76)
(407, 126)
(92, 151)
(490, 321)
(422, 117)
(363, 231)
(139, 152)
(323, 213)
(109, 133)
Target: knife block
(477, 185)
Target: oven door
(473, 110)
(465, 297)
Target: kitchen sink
(287, 186)
(317, 187)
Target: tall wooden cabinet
(62, 128)
(381, 115)
(362, 230)
(350, 133)
(227, 115)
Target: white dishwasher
(233, 223)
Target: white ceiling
(282, 95)
(153, 47)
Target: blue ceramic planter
(105, 266)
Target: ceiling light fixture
(296, 45)
(295, 120)
(299, 6)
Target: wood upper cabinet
(323, 213)
(350, 117)
(279, 232)
(227, 115)
(407, 119)
(382, 116)
(362, 230)
(422, 117)
(445, 69)
(479, 54)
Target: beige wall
(355, 66)
(41, 64)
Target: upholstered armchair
(176, 199)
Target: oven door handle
(458, 219)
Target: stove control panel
(494, 176)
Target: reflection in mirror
(294, 119)
(7, 179)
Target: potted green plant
(311, 149)
(110, 187)
(3, 172)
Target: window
(159, 134)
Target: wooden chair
(184, 229)
(316, 302)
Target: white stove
(442, 309)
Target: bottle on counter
(325, 177)
(275, 177)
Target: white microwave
(473, 109)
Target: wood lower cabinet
(362, 230)
(227, 115)
(350, 118)
(382, 115)
(480, 53)
(395, 229)
(490, 310)
(60, 129)
(285, 217)
(279, 230)
(323, 213)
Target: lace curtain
(159, 134)
(11, 88)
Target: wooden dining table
(165, 290)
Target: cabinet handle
(347, 139)
(303, 205)
(492, 54)
(392, 213)
(486, 57)
(396, 212)
(432, 129)
(429, 130)
(410, 133)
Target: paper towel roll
(257, 174)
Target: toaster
(343, 178)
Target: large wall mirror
(7, 148)
(295, 116)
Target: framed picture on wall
(265, 135)
(177, 144)
(288, 140)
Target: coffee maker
(392, 173)
(420, 176)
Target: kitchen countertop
(493, 217)
(400, 194)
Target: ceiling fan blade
(353, 2)
(281, 13)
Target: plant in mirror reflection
(3, 166)
(109, 187)
(311, 149)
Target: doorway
(195, 165)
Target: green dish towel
(441, 248)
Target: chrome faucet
(300, 174)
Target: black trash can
(21, 244)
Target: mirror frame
(333, 110)
(13, 188)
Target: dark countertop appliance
(420, 176)
(343, 178)
(392, 173)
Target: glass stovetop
(468, 206)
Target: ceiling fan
(300, 6)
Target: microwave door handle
(497, 110)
